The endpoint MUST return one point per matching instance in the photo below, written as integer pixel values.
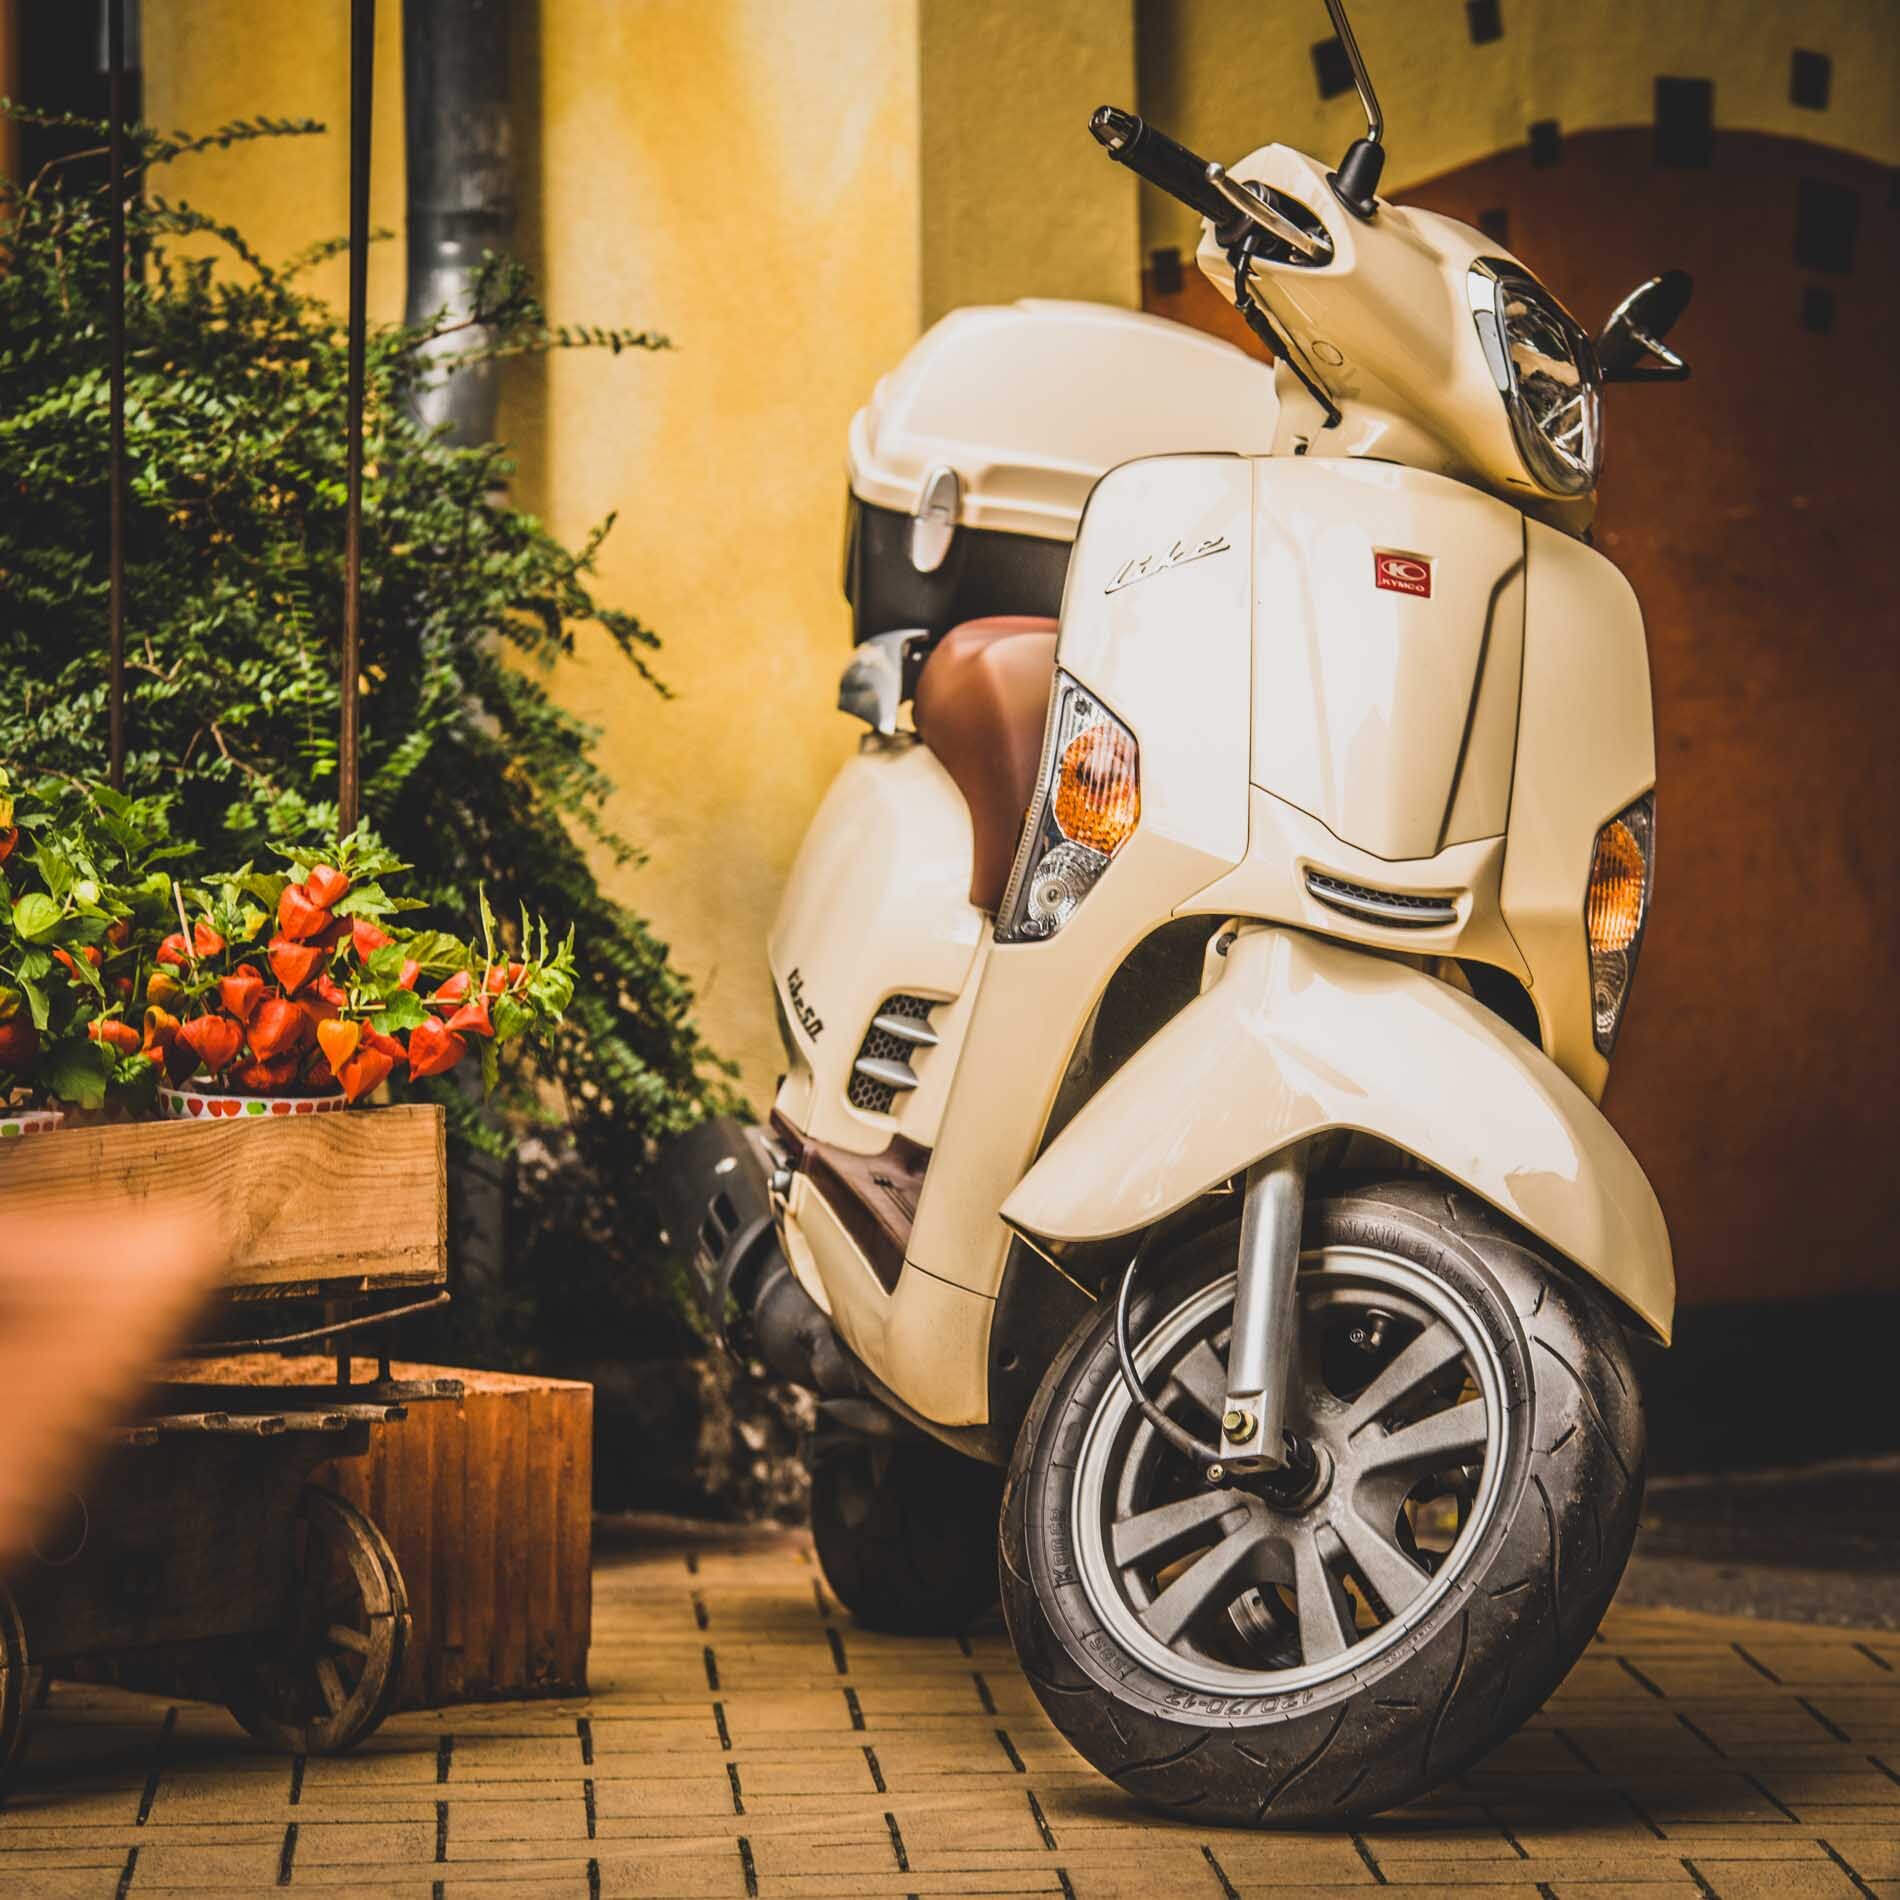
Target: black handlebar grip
(1159, 159)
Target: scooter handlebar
(1182, 174)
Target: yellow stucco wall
(741, 177)
(1012, 204)
(211, 62)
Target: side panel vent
(1402, 910)
(883, 1068)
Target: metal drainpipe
(461, 196)
(460, 204)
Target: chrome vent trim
(893, 1075)
(908, 1029)
(882, 1071)
(1399, 910)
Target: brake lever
(1259, 212)
(1668, 367)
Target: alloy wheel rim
(1222, 1590)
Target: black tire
(1524, 1602)
(906, 1532)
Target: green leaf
(36, 917)
(364, 900)
(134, 1082)
(76, 1069)
(265, 887)
(510, 1016)
(37, 1001)
(404, 1010)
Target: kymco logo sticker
(1402, 573)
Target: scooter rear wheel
(905, 1532)
(1272, 1654)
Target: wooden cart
(199, 1546)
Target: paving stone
(362, 1843)
(75, 1885)
(1762, 1880)
(203, 1868)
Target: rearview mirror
(1636, 329)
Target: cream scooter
(1215, 1146)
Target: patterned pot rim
(15, 1122)
(208, 1105)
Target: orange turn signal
(1098, 792)
(1614, 910)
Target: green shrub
(470, 770)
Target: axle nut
(1237, 1425)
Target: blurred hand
(87, 1309)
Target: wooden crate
(307, 1202)
(488, 1503)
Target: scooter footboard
(1301, 1036)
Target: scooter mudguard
(1299, 1036)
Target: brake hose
(1184, 1441)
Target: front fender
(1301, 1035)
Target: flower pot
(28, 1121)
(192, 1103)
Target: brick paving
(745, 1741)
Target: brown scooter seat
(980, 705)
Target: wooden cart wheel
(335, 1673)
(16, 1690)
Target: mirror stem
(1361, 79)
(1356, 182)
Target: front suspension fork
(1263, 1349)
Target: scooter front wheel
(1321, 1644)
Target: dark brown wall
(1753, 509)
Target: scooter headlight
(1088, 801)
(1616, 911)
(1545, 367)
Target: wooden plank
(481, 1526)
(188, 1538)
(539, 1593)
(411, 1511)
(509, 1649)
(449, 1502)
(574, 1512)
(360, 1196)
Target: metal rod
(213, 1348)
(362, 74)
(1361, 79)
(115, 531)
(1265, 1339)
